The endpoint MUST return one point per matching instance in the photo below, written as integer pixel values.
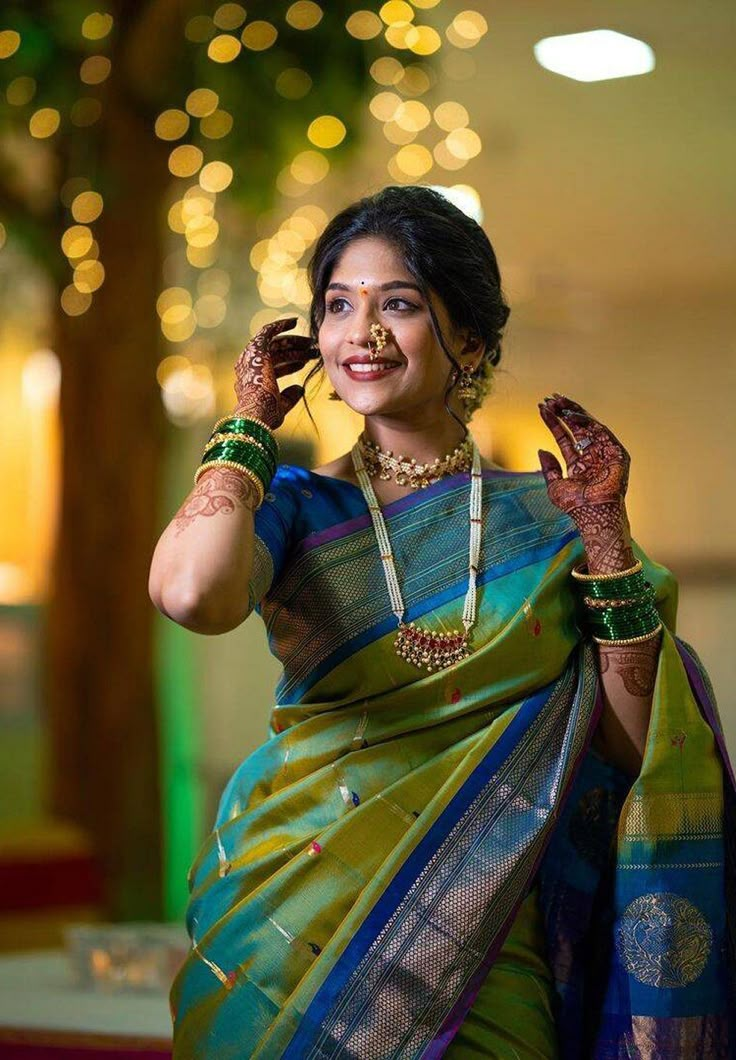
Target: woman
(489, 817)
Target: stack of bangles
(620, 607)
(246, 445)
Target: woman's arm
(201, 571)
(593, 495)
(202, 564)
(627, 673)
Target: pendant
(428, 650)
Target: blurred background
(165, 169)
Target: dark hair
(443, 248)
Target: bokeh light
(466, 29)
(171, 124)
(216, 176)
(87, 207)
(326, 131)
(450, 115)
(9, 43)
(85, 112)
(201, 102)
(293, 83)
(97, 25)
(259, 35)
(229, 16)
(95, 69)
(304, 14)
(185, 160)
(224, 48)
(20, 91)
(44, 122)
(216, 125)
(364, 25)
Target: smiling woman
(490, 816)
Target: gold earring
(467, 389)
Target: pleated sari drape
(402, 843)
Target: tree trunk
(103, 727)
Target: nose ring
(379, 335)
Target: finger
(291, 396)
(550, 466)
(275, 326)
(562, 434)
(262, 340)
(297, 341)
(288, 367)
(560, 401)
(281, 353)
(581, 423)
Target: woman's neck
(423, 442)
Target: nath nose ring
(379, 335)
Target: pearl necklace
(408, 472)
(425, 648)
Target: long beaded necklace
(426, 648)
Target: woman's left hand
(593, 494)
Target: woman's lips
(371, 375)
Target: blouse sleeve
(274, 523)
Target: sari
(420, 864)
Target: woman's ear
(473, 348)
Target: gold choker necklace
(407, 472)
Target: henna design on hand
(636, 665)
(263, 361)
(219, 489)
(593, 494)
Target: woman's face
(370, 283)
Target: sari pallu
(370, 858)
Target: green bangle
(266, 445)
(630, 585)
(241, 425)
(264, 473)
(634, 623)
(245, 458)
(246, 445)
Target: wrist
(607, 540)
(609, 556)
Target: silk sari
(387, 867)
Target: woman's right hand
(264, 360)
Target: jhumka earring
(467, 389)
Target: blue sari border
(406, 876)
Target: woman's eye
(400, 304)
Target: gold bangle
(253, 419)
(235, 467)
(216, 439)
(579, 576)
(631, 640)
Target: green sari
(418, 865)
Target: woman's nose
(360, 324)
